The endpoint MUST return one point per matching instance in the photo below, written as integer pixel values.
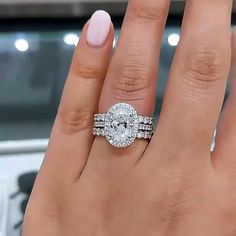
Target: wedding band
(121, 125)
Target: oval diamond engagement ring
(121, 125)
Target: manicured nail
(98, 29)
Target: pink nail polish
(98, 29)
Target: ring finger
(131, 77)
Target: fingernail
(98, 29)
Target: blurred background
(37, 39)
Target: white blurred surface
(22, 146)
(12, 166)
(3, 205)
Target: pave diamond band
(121, 125)
(140, 134)
(143, 127)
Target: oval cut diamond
(121, 125)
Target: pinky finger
(224, 155)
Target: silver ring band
(121, 125)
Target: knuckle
(71, 122)
(133, 82)
(176, 203)
(148, 10)
(205, 71)
(204, 66)
(172, 212)
(52, 212)
(87, 71)
(174, 208)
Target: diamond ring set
(121, 125)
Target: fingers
(131, 77)
(198, 77)
(224, 155)
(72, 137)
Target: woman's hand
(171, 186)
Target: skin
(173, 185)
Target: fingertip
(98, 28)
(96, 53)
(93, 37)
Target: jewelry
(121, 125)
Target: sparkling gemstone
(140, 119)
(140, 134)
(121, 125)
